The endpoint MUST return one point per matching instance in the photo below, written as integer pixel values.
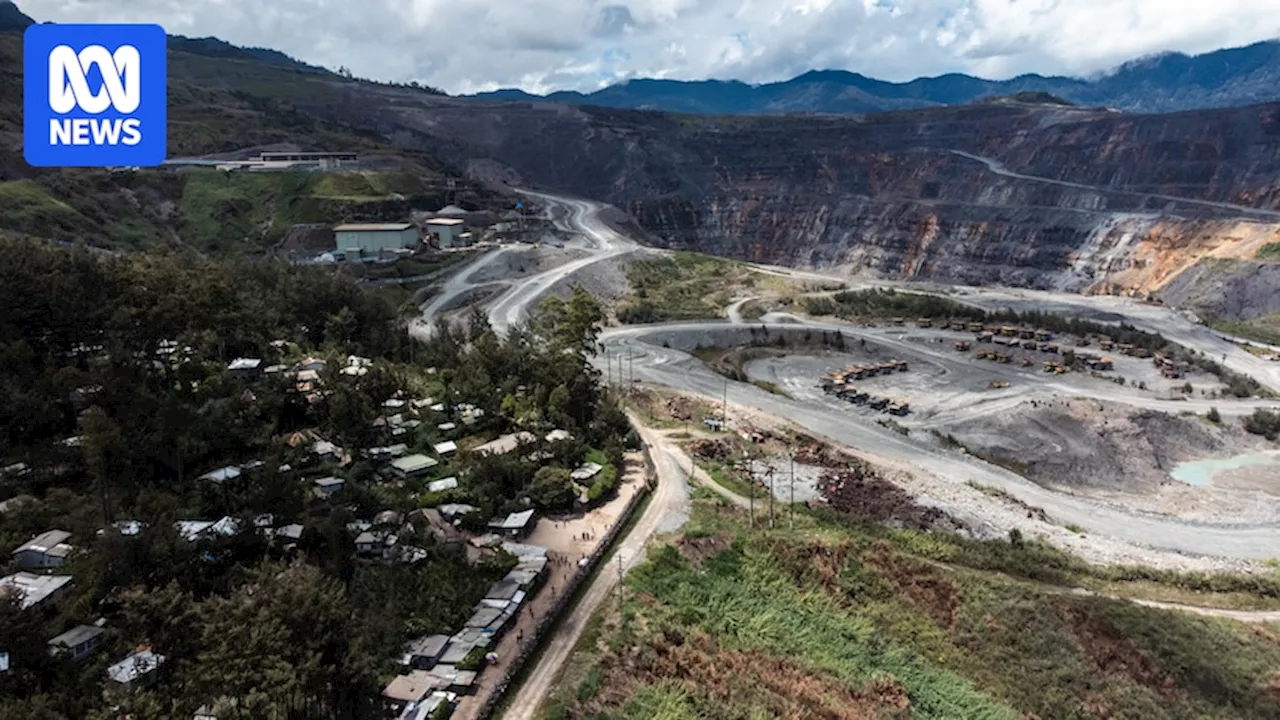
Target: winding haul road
(678, 370)
(653, 363)
(998, 168)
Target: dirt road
(668, 509)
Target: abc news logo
(94, 95)
(69, 89)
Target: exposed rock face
(1067, 198)
(1228, 289)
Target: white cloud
(468, 45)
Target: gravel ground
(1108, 451)
(992, 517)
(605, 280)
(521, 261)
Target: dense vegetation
(843, 619)
(129, 355)
(1265, 329)
(681, 286)
(1270, 251)
(872, 304)
(1264, 422)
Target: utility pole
(793, 493)
(724, 414)
(771, 495)
(631, 371)
(608, 370)
(751, 491)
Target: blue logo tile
(94, 95)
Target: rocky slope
(1118, 203)
(1021, 194)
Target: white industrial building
(448, 231)
(361, 240)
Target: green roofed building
(370, 239)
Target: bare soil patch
(920, 583)
(1115, 654)
(773, 686)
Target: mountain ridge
(1162, 82)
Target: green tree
(572, 325)
(280, 635)
(552, 488)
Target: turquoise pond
(1201, 472)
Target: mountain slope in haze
(1162, 83)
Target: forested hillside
(187, 480)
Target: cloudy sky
(466, 46)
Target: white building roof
(32, 588)
(325, 482)
(445, 448)
(44, 542)
(373, 227)
(414, 463)
(129, 527)
(514, 521)
(135, 666)
(447, 222)
(586, 471)
(292, 532)
(453, 509)
(192, 529)
(504, 444)
(223, 474)
(448, 483)
(244, 364)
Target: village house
(78, 643)
(413, 465)
(32, 589)
(387, 453)
(312, 364)
(453, 511)
(245, 368)
(514, 525)
(221, 475)
(289, 535)
(46, 550)
(327, 486)
(505, 444)
(439, 486)
(138, 669)
(425, 652)
(586, 472)
(448, 447)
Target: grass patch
(1164, 592)
(994, 492)
(731, 623)
(1270, 251)
(1072, 527)
(730, 479)
(681, 286)
(27, 206)
(1264, 329)
(771, 387)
